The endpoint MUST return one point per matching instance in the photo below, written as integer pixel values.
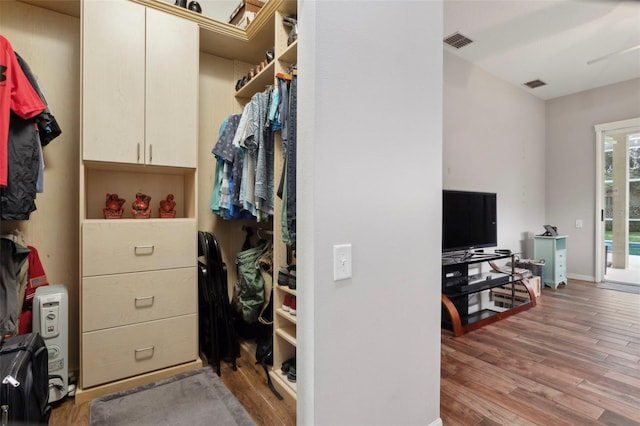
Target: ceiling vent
(535, 83)
(457, 40)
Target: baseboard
(436, 422)
(590, 278)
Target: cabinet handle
(147, 349)
(142, 299)
(143, 250)
(138, 160)
(150, 153)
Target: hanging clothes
(244, 151)
(287, 84)
(31, 126)
(47, 126)
(17, 96)
(13, 278)
(290, 161)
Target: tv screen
(469, 220)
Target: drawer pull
(144, 250)
(140, 351)
(139, 300)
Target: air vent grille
(535, 83)
(457, 40)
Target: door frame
(600, 129)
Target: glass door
(619, 187)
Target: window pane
(634, 163)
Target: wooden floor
(572, 360)
(246, 383)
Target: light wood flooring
(574, 359)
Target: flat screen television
(469, 220)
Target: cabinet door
(113, 87)
(172, 90)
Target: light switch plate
(341, 262)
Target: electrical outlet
(341, 262)
(578, 223)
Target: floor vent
(457, 40)
(535, 83)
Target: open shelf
(287, 289)
(288, 334)
(286, 315)
(290, 55)
(281, 379)
(478, 286)
(127, 180)
(258, 83)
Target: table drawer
(119, 246)
(123, 299)
(122, 352)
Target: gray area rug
(196, 397)
(627, 288)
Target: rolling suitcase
(24, 381)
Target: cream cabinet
(139, 85)
(139, 297)
(139, 282)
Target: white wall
(571, 163)
(370, 168)
(494, 141)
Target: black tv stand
(459, 286)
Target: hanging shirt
(17, 96)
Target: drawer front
(560, 272)
(123, 299)
(560, 269)
(118, 353)
(119, 246)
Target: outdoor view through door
(621, 204)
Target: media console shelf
(467, 298)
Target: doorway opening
(618, 202)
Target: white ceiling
(550, 40)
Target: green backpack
(250, 295)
